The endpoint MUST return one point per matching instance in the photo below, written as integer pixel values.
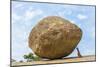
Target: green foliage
(31, 57)
(36, 58)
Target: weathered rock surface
(54, 37)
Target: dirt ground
(58, 61)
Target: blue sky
(25, 15)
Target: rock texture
(54, 37)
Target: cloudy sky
(25, 16)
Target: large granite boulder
(54, 37)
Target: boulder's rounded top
(54, 19)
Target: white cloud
(31, 13)
(81, 17)
(63, 13)
(19, 5)
(72, 21)
(15, 17)
(28, 15)
(68, 6)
